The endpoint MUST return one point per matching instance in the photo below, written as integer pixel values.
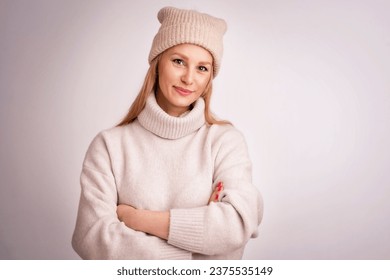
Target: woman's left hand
(216, 195)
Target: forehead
(191, 52)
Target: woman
(170, 181)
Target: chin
(183, 104)
(183, 101)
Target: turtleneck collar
(157, 121)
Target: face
(184, 72)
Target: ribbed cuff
(186, 229)
(174, 253)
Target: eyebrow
(186, 57)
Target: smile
(183, 91)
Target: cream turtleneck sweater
(166, 163)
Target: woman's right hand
(216, 195)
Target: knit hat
(188, 26)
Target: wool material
(165, 163)
(179, 26)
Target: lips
(183, 91)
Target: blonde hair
(150, 84)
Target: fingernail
(216, 196)
(219, 187)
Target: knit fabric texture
(180, 26)
(163, 163)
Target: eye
(203, 69)
(178, 61)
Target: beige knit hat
(191, 27)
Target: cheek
(167, 77)
(203, 82)
(163, 80)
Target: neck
(156, 120)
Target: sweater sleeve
(227, 225)
(98, 233)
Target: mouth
(183, 91)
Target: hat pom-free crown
(180, 26)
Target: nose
(188, 77)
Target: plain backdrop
(307, 82)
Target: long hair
(150, 84)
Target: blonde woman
(170, 181)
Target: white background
(307, 82)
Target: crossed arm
(153, 222)
(216, 229)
